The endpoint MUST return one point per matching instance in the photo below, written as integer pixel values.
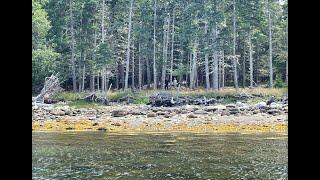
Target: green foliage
(67, 96)
(180, 70)
(40, 23)
(279, 83)
(83, 104)
(51, 36)
(43, 56)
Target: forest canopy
(140, 43)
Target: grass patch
(142, 97)
(83, 104)
(67, 96)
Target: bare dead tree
(51, 86)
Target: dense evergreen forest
(122, 44)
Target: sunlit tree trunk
(128, 47)
(154, 46)
(235, 74)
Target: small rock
(116, 124)
(256, 111)
(161, 113)
(210, 108)
(68, 112)
(167, 115)
(200, 112)
(274, 105)
(234, 110)
(273, 111)
(184, 111)
(192, 116)
(190, 108)
(261, 105)
(230, 106)
(92, 118)
(119, 113)
(225, 113)
(263, 110)
(152, 114)
(58, 112)
(220, 107)
(102, 129)
(240, 104)
(178, 111)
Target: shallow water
(103, 155)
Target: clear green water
(101, 155)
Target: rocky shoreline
(238, 117)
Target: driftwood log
(94, 98)
(168, 100)
(51, 86)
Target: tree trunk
(103, 80)
(220, 70)
(84, 70)
(92, 83)
(287, 72)
(102, 22)
(132, 78)
(94, 58)
(148, 72)
(193, 71)
(215, 60)
(103, 73)
(154, 47)
(206, 56)
(250, 61)
(128, 47)
(121, 78)
(165, 50)
(270, 48)
(107, 81)
(190, 70)
(181, 59)
(222, 73)
(172, 43)
(287, 55)
(140, 70)
(244, 66)
(98, 78)
(79, 79)
(73, 66)
(257, 65)
(235, 74)
(83, 76)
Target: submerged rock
(102, 129)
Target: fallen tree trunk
(51, 86)
(94, 98)
(168, 100)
